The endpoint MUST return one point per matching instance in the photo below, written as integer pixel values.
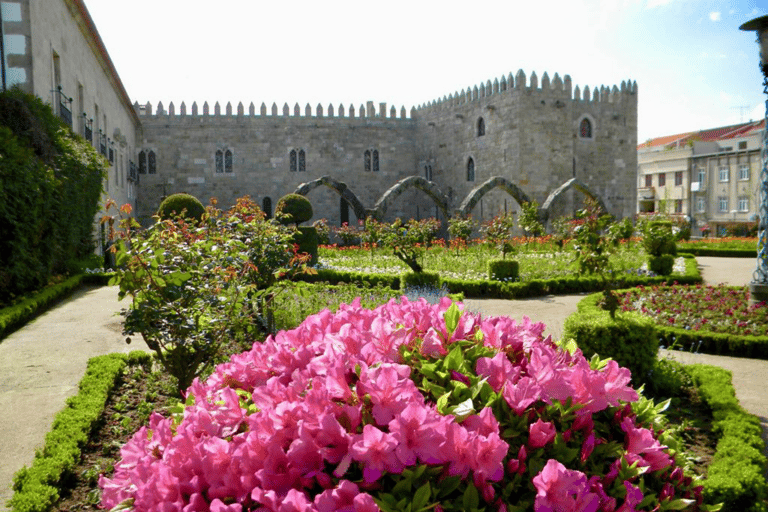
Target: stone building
(710, 177)
(480, 151)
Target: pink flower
(419, 432)
(541, 434)
(376, 450)
(498, 370)
(643, 447)
(633, 499)
(562, 490)
(521, 394)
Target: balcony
(646, 193)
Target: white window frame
(722, 204)
(743, 204)
(724, 174)
(701, 204)
(744, 172)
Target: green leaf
(442, 403)
(679, 504)
(471, 499)
(455, 358)
(464, 410)
(421, 498)
(451, 316)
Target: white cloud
(657, 3)
(714, 16)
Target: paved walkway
(42, 364)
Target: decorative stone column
(758, 288)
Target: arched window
(367, 160)
(152, 163)
(375, 160)
(293, 160)
(480, 127)
(585, 129)
(266, 207)
(143, 162)
(302, 161)
(470, 169)
(228, 161)
(219, 161)
(428, 172)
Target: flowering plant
(410, 406)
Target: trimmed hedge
(629, 339)
(500, 270)
(36, 488)
(735, 476)
(420, 279)
(513, 290)
(720, 253)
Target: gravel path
(42, 363)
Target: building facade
(480, 151)
(710, 177)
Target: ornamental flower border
(410, 406)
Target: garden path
(42, 363)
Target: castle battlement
(367, 111)
(557, 88)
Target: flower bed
(710, 319)
(356, 411)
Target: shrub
(419, 280)
(293, 208)
(460, 229)
(307, 240)
(629, 338)
(497, 233)
(661, 265)
(323, 231)
(183, 205)
(503, 270)
(51, 183)
(407, 407)
(658, 238)
(192, 286)
(349, 235)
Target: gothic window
(228, 161)
(302, 161)
(470, 169)
(480, 127)
(428, 172)
(147, 162)
(266, 207)
(219, 161)
(585, 129)
(293, 160)
(371, 160)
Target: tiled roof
(712, 134)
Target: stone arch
(478, 192)
(572, 183)
(338, 186)
(429, 188)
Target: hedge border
(735, 476)
(36, 489)
(17, 315)
(513, 290)
(720, 253)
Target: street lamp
(758, 288)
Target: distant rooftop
(709, 135)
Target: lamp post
(758, 288)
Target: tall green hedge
(50, 186)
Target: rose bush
(410, 406)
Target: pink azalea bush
(410, 406)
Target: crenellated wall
(531, 135)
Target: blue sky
(695, 69)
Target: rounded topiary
(175, 204)
(662, 265)
(293, 209)
(503, 270)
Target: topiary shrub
(419, 280)
(662, 265)
(503, 270)
(181, 204)
(293, 209)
